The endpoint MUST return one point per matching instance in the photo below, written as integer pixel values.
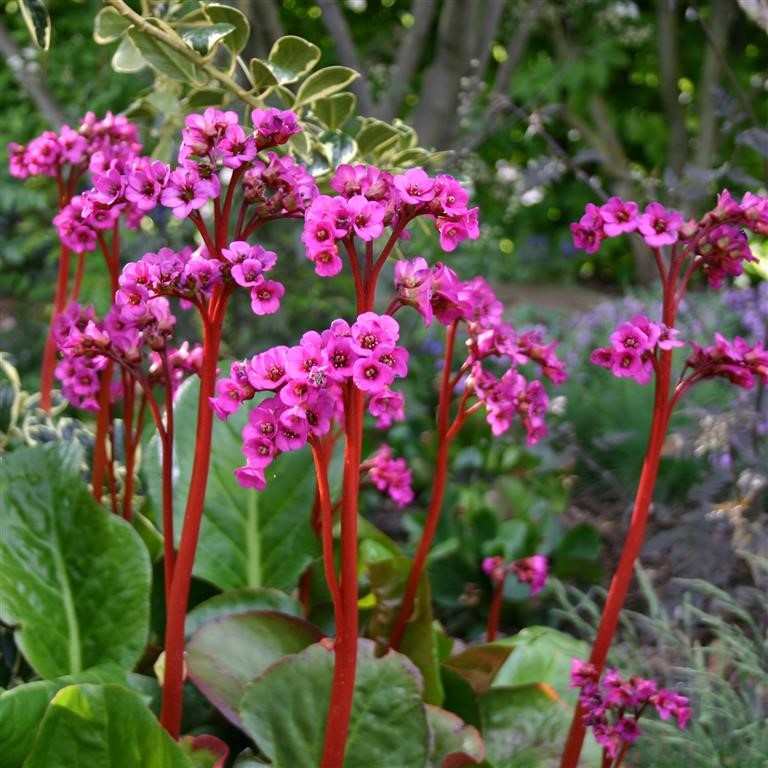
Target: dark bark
(435, 117)
(338, 29)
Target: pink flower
(618, 217)
(367, 217)
(532, 570)
(187, 192)
(390, 475)
(589, 233)
(414, 186)
(386, 407)
(658, 226)
(265, 297)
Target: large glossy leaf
(285, 711)
(109, 26)
(241, 601)
(453, 742)
(388, 578)
(75, 579)
(292, 57)
(35, 16)
(376, 136)
(248, 538)
(219, 14)
(102, 725)
(324, 82)
(540, 655)
(165, 60)
(22, 709)
(225, 654)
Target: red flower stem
(111, 484)
(494, 614)
(345, 649)
(197, 220)
(103, 419)
(169, 554)
(49, 352)
(326, 525)
(78, 281)
(129, 399)
(382, 260)
(170, 714)
(221, 229)
(438, 495)
(634, 541)
(349, 244)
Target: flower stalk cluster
(715, 246)
(612, 706)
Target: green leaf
(262, 76)
(241, 601)
(109, 26)
(165, 60)
(225, 654)
(335, 110)
(248, 538)
(75, 578)
(35, 16)
(479, 664)
(388, 578)
(453, 742)
(102, 725)
(530, 695)
(206, 97)
(376, 137)
(127, 58)
(218, 13)
(523, 727)
(325, 82)
(338, 148)
(205, 39)
(292, 57)
(22, 709)
(285, 711)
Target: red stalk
(438, 495)
(169, 553)
(103, 420)
(494, 614)
(345, 649)
(326, 524)
(130, 445)
(49, 353)
(662, 409)
(170, 715)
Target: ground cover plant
(192, 571)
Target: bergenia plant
(643, 348)
(337, 374)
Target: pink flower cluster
(192, 275)
(634, 346)
(438, 293)
(134, 185)
(307, 381)
(717, 241)
(613, 705)
(390, 475)
(95, 144)
(370, 200)
(87, 343)
(738, 361)
(529, 570)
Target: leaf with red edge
(453, 743)
(205, 751)
(225, 654)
